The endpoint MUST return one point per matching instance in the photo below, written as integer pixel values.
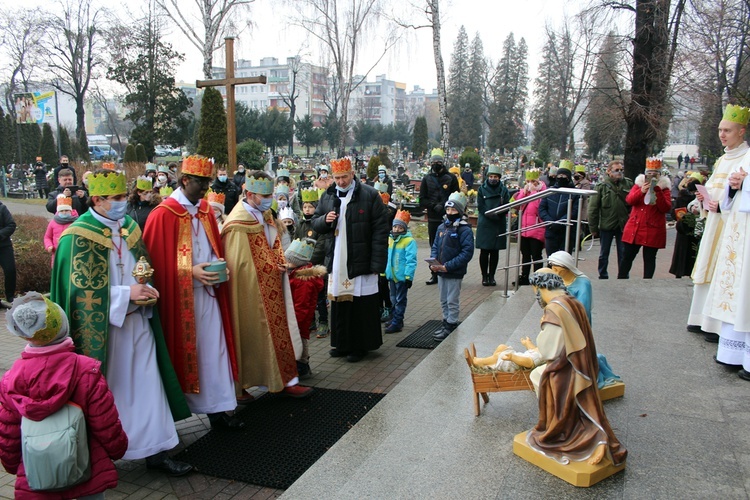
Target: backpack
(55, 450)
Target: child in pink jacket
(49, 375)
(64, 216)
(532, 240)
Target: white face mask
(162, 178)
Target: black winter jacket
(434, 192)
(8, 227)
(366, 229)
(554, 208)
(229, 190)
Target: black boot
(162, 462)
(491, 280)
(484, 280)
(432, 280)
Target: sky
(411, 61)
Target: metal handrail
(520, 204)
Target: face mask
(307, 217)
(282, 204)
(381, 175)
(453, 217)
(222, 178)
(563, 181)
(347, 188)
(265, 204)
(323, 175)
(65, 217)
(241, 170)
(437, 168)
(117, 209)
(493, 182)
(162, 178)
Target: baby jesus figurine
(506, 359)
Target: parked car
(102, 152)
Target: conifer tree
(31, 138)
(48, 149)
(510, 95)
(212, 136)
(66, 148)
(130, 155)
(140, 153)
(11, 151)
(419, 140)
(547, 124)
(458, 85)
(471, 131)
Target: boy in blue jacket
(453, 249)
(402, 263)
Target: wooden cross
(230, 81)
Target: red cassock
(168, 238)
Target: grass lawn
(27, 201)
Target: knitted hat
(458, 201)
(402, 219)
(563, 171)
(37, 319)
(300, 252)
(437, 156)
(494, 169)
(564, 259)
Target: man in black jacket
(226, 186)
(7, 258)
(78, 194)
(355, 214)
(555, 208)
(434, 191)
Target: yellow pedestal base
(579, 474)
(616, 390)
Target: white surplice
(132, 371)
(217, 392)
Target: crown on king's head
(258, 185)
(736, 114)
(197, 165)
(163, 169)
(310, 195)
(532, 174)
(581, 169)
(166, 191)
(341, 166)
(653, 164)
(64, 201)
(214, 197)
(282, 172)
(144, 183)
(150, 167)
(110, 183)
(281, 189)
(301, 249)
(108, 166)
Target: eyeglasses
(617, 170)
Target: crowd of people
(186, 289)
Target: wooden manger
(488, 381)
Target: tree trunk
(80, 116)
(440, 68)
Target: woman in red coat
(651, 200)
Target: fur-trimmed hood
(306, 273)
(663, 182)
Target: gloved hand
(408, 284)
(439, 208)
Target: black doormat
(421, 338)
(281, 439)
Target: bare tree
(72, 48)
(215, 24)
(289, 95)
(21, 32)
(342, 27)
(431, 9)
(114, 124)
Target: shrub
(140, 153)
(250, 153)
(130, 155)
(32, 262)
(472, 158)
(372, 167)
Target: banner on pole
(35, 107)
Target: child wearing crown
(306, 282)
(64, 216)
(402, 264)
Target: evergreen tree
(332, 130)
(364, 133)
(276, 129)
(472, 158)
(510, 95)
(48, 149)
(249, 123)
(385, 159)
(11, 151)
(472, 129)
(605, 126)
(65, 147)
(83, 146)
(547, 123)
(31, 139)
(250, 153)
(212, 135)
(130, 155)
(458, 86)
(372, 166)
(307, 134)
(140, 153)
(419, 139)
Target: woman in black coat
(491, 194)
(40, 177)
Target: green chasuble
(80, 285)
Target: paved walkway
(380, 371)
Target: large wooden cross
(229, 81)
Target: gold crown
(653, 164)
(341, 166)
(532, 174)
(144, 183)
(385, 197)
(214, 197)
(107, 184)
(404, 216)
(52, 324)
(108, 165)
(310, 195)
(199, 166)
(566, 164)
(259, 186)
(736, 114)
(63, 201)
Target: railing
(520, 205)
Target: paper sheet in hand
(704, 192)
(433, 262)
